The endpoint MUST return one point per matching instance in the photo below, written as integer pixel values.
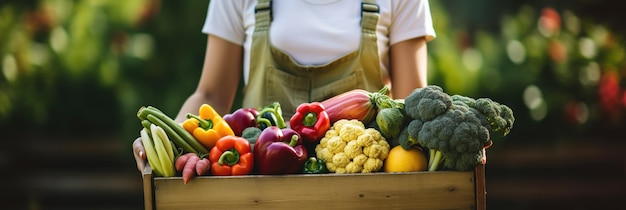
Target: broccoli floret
(427, 103)
(459, 100)
(471, 125)
(412, 131)
(499, 117)
(466, 100)
(438, 132)
(506, 114)
(465, 161)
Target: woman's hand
(217, 86)
(140, 154)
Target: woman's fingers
(140, 154)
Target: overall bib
(276, 77)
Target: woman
(295, 51)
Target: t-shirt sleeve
(224, 19)
(411, 19)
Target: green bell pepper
(314, 166)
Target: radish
(181, 160)
(202, 167)
(189, 168)
(190, 165)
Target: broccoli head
(427, 103)
(456, 128)
(456, 136)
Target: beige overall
(276, 77)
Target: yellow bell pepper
(208, 127)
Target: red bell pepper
(231, 155)
(311, 122)
(241, 119)
(279, 151)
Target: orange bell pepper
(208, 127)
(231, 156)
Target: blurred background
(74, 73)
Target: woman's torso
(315, 32)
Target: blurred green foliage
(561, 73)
(87, 66)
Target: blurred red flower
(550, 21)
(609, 93)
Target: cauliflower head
(349, 147)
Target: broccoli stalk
(436, 158)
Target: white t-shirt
(315, 32)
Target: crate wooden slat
(414, 190)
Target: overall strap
(263, 15)
(369, 16)
(370, 61)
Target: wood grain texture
(148, 193)
(415, 190)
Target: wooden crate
(413, 190)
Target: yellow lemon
(402, 160)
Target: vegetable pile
(353, 132)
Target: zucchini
(390, 122)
